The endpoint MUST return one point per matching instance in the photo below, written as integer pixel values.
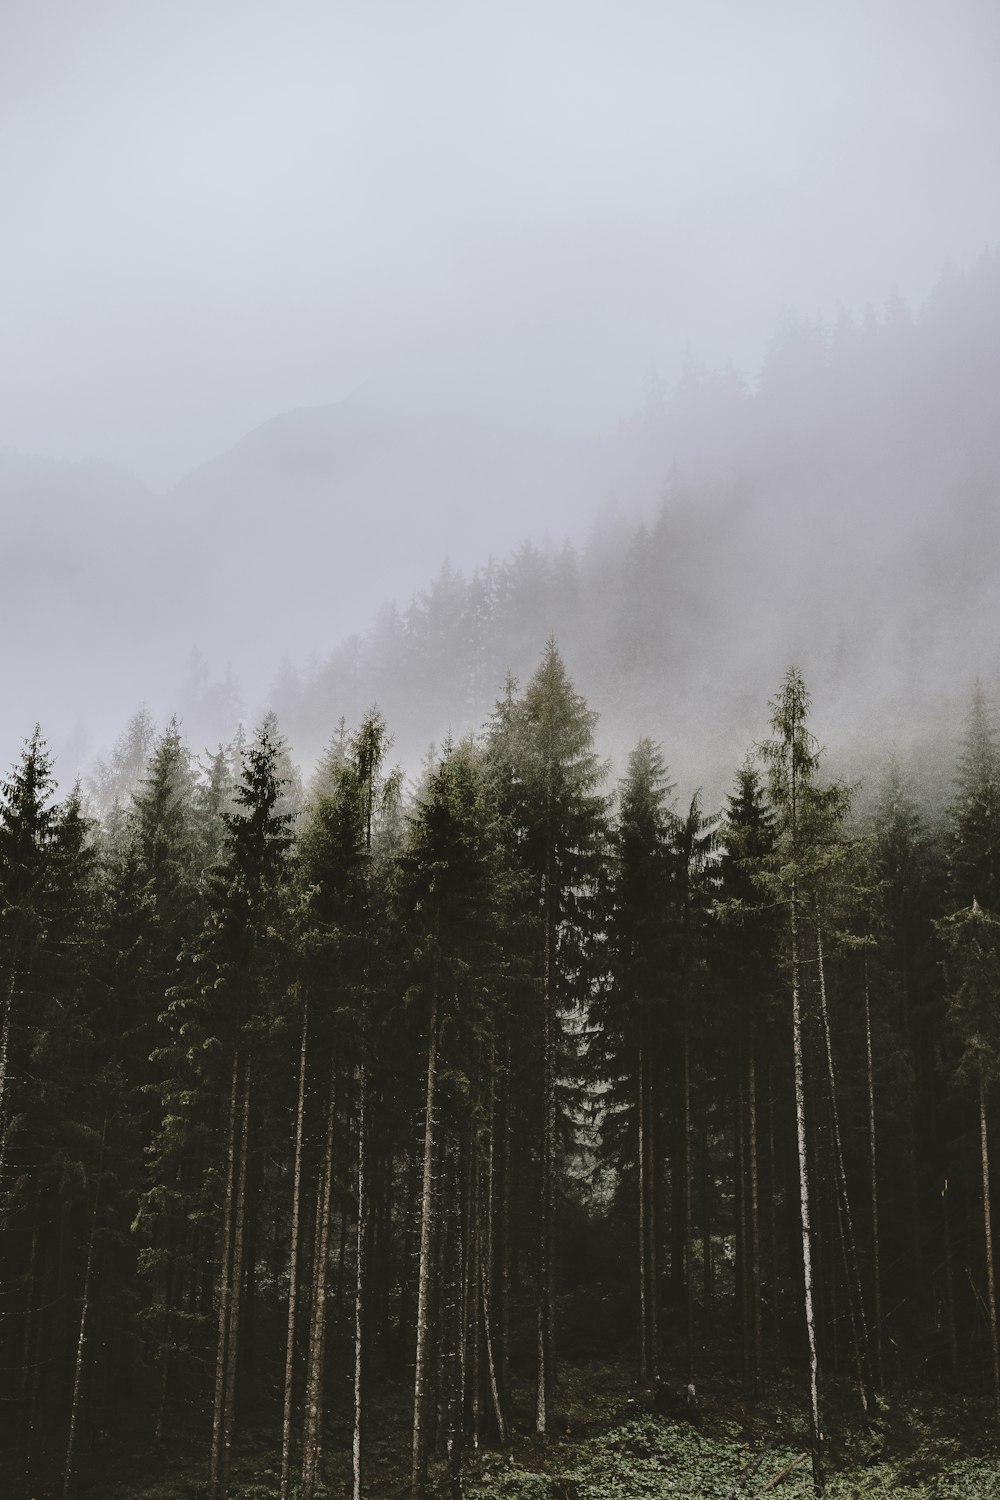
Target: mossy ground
(608, 1443)
(614, 1446)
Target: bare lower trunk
(225, 1287)
(546, 1311)
(991, 1292)
(29, 1303)
(804, 1198)
(652, 1276)
(360, 1291)
(505, 1237)
(486, 1273)
(5, 1030)
(853, 1268)
(772, 1175)
(755, 1302)
(293, 1261)
(473, 1300)
(873, 1167)
(688, 1205)
(418, 1461)
(81, 1341)
(169, 1294)
(236, 1299)
(949, 1280)
(707, 1221)
(741, 1279)
(643, 1269)
(313, 1424)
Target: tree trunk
(873, 1167)
(487, 1262)
(707, 1261)
(5, 1030)
(361, 1289)
(652, 1276)
(643, 1270)
(688, 1203)
(754, 1257)
(804, 1195)
(452, 1330)
(236, 1298)
(546, 1283)
(505, 1234)
(293, 1260)
(313, 1424)
(772, 1175)
(169, 1293)
(225, 1287)
(473, 1300)
(853, 1269)
(991, 1292)
(949, 1279)
(81, 1341)
(740, 1277)
(418, 1462)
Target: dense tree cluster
(305, 1090)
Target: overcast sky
(216, 210)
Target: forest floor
(610, 1443)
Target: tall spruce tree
(232, 991)
(632, 1016)
(347, 858)
(454, 882)
(974, 855)
(557, 818)
(749, 954)
(792, 757)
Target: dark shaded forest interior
(356, 1141)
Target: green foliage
(975, 832)
(972, 940)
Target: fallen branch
(747, 1473)
(781, 1474)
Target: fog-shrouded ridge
(842, 512)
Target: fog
(300, 299)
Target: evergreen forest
(517, 1130)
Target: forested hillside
(840, 509)
(533, 1133)
(844, 512)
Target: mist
(302, 300)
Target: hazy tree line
(843, 509)
(306, 1094)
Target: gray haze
(298, 298)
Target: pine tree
(453, 881)
(27, 829)
(975, 842)
(347, 855)
(694, 879)
(750, 941)
(556, 815)
(792, 757)
(632, 1016)
(223, 1013)
(152, 877)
